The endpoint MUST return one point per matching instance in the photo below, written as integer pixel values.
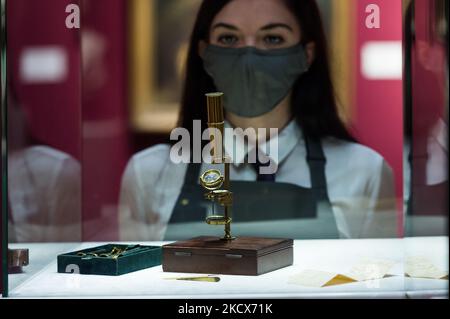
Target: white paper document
(420, 267)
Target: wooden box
(249, 256)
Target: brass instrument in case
(227, 255)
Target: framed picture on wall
(159, 35)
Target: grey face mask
(254, 81)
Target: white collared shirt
(45, 195)
(360, 185)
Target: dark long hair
(313, 101)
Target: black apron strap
(192, 174)
(316, 160)
(188, 205)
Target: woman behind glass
(269, 57)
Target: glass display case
(94, 91)
(4, 218)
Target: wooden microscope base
(249, 256)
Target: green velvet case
(144, 257)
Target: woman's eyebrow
(276, 25)
(224, 25)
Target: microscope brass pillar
(212, 179)
(212, 254)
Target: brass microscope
(250, 256)
(218, 185)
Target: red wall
(53, 110)
(378, 120)
(428, 69)
(84, 115)
(105, 118)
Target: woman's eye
(227, 40)
(273, 40)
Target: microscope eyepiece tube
(215, 107)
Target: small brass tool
(202, 279)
